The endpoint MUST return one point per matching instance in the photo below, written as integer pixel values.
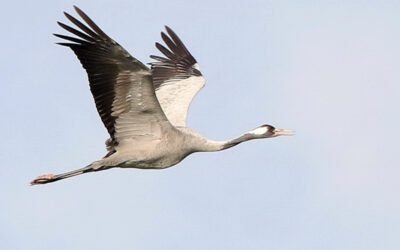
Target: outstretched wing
(176, 78)
(121, 85)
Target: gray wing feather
(140, 116)
(121, 85)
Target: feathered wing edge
(103, 59)
(178, 62)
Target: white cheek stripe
(259, 131)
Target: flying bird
(143, 109)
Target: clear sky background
(328, 69)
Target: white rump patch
(259, 131)
(196, 66)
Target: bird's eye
(269, 127)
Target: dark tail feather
(44, 179)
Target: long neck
(207, 145)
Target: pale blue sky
(328, 69)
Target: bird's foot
(43, 179)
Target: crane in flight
(143, 109)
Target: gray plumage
(143, 109)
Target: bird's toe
(42, 179)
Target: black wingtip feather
(91, 24)
(165, 51)
(171, 45)
(158, 58)
(82, 26)
(76, 32)
(72, 39)
(173, 37)
(178, 62)
(177, 50)
(78, 10)
(168, 29)
(66, 44)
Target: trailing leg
(43, 179)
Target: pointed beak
(280, 131)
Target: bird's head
(268, 131)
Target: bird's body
(156, 154)
(144, 110)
